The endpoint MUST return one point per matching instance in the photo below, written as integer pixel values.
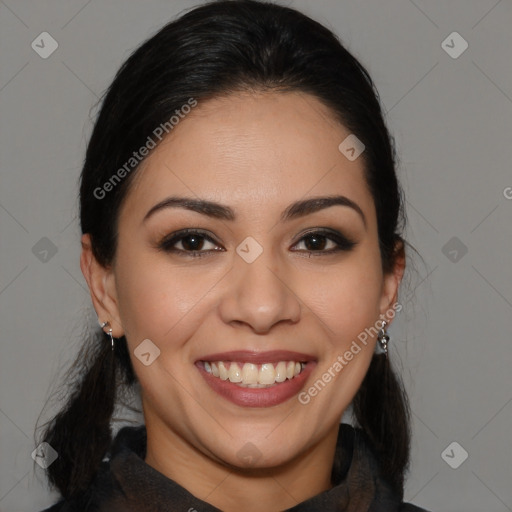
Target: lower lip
(258, 397)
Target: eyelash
(166, 245)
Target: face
(265, 287)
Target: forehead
(253, 151)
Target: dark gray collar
(357, 486)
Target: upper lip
(247, 356)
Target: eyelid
(169, 240)
(322, 231)
(343, 242)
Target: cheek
(347, 304)
(346, 299)
(154, 297)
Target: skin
(256, 153)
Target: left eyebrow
(219, 211)
(315, 204)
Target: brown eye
(196, 243)
(192, 242)
(189, 243)
(322, 241)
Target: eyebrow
(219, 211)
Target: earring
(383, 338)
(111, 338)
(103, 324)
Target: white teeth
(223, 373)
(235, 374)
(252, 375)
(281, 371)
(290, 369)
(267, 374)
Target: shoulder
(68, 506)
(91, 499)
(409, 507)
(361, 442)
(104, 486)
(58, 507)
(86, 502)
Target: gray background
(452, 119)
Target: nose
(259, 296)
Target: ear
(391, 281)
(101, 282)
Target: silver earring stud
(111, 337)
(102, 325)
(383, 338)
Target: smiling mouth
(249, 375)
(251, 378)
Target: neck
(231, 489)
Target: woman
(241, 223)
